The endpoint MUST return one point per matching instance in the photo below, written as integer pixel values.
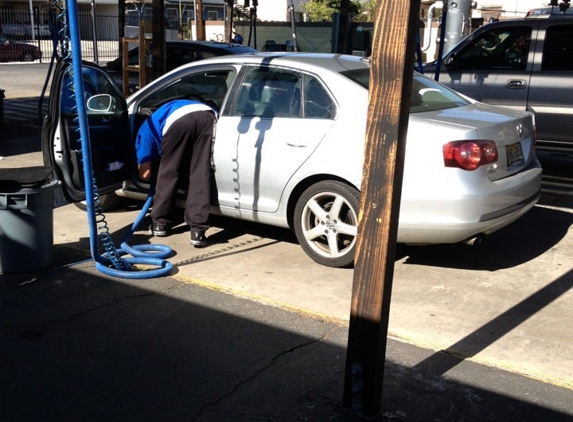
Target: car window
(209, 87)
(175, 56)
(317, 102)
(498, 48)
(428, 95)
(558, 48)
(95, 83)
(360, 76)
(208, 54)
(179, 55)
(268, 92)
(133, 57)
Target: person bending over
(178, 134)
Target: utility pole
(393, 52)
(343, 44)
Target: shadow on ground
(79, 346)
(525, 239)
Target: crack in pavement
(67, 318)
(256, 373)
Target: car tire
(326, 222)
(108, 201)
(27, 56)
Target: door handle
(297, 143)
(516, 84)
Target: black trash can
(26, 219)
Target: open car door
(108, 128)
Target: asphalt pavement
(249, 328)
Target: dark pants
(186, 144)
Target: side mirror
(101, 103)
(449, 62)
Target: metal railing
(98, 33)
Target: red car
(11, 51)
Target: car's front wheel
(326, 222)
(27, 56)
(108, 202)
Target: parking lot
(505, 303)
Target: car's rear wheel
(326, 222)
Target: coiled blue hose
(148, 255)
(152, 255)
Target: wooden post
(199, 21)
(389, 98)
(143, 77)
(228, 20)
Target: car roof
(556, 15)
(212, 45)
(317, 63)
(216, 47)
(550, 19)
(332, 61)
(545, 12)
(207, 46)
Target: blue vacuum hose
(112, 262)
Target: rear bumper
(458, 232)
(450, 218)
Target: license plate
(514, 154)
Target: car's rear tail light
(469, 155)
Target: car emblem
(519, 130)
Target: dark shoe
(158, 229)
(198, 238)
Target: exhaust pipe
(476, 240)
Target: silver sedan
(289, 150)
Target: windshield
(427, 94)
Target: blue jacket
(150, 134)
